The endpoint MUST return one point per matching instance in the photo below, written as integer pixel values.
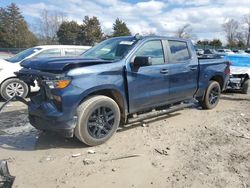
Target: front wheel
(211, 96)
(98, 120)
(14, 87)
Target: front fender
(101, 89)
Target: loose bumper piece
(6, 180)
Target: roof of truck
(153, 37)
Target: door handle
(164, 71)
(193, 68)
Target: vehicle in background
(239, 51)
(4, 55)
(120, 80)
(10, 85)
(240, 72)
(247, 51)
(224, 51)
(210, 54)
(199, 52)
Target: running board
(159, 113)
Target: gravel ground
(189, 148)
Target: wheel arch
(7, 79)
(218, 79)
(114, 94)
(13, 77)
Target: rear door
(149, 86)
(183, 70)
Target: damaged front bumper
(45, 113)
(46, 117)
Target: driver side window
(154, 50)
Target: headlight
(58, 84)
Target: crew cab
(120, 80)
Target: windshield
(22, 55)
(111, 49)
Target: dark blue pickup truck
(121, 80)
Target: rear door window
(178, 51)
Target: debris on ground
(194, 148)
(76, 155)
(88, 162)
(145, 125)
(162, 152)
(6, 180)
(122, 157)
(91, 151)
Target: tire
(93, 129)
(211, 96)
(12, 87)
(246, 87)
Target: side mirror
(141, 61)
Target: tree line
(14, 31)
(53, 28)
(237, 33)
(89, 32)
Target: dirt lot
(189, 148)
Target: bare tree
(185, 32)
(231, 29)
(49, 24)
(246, 20)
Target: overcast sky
(162, 17)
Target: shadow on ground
(17, 134)
(235, 96)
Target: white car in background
(10, 85)
(224, 51)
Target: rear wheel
(246, 87)
(12, 87)
(98, 120)
(212, 95)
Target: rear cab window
(179, 52)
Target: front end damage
(45, 109)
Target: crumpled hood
(60, 64)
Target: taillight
(229, 63)
(227, 71)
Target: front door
(149, 86)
